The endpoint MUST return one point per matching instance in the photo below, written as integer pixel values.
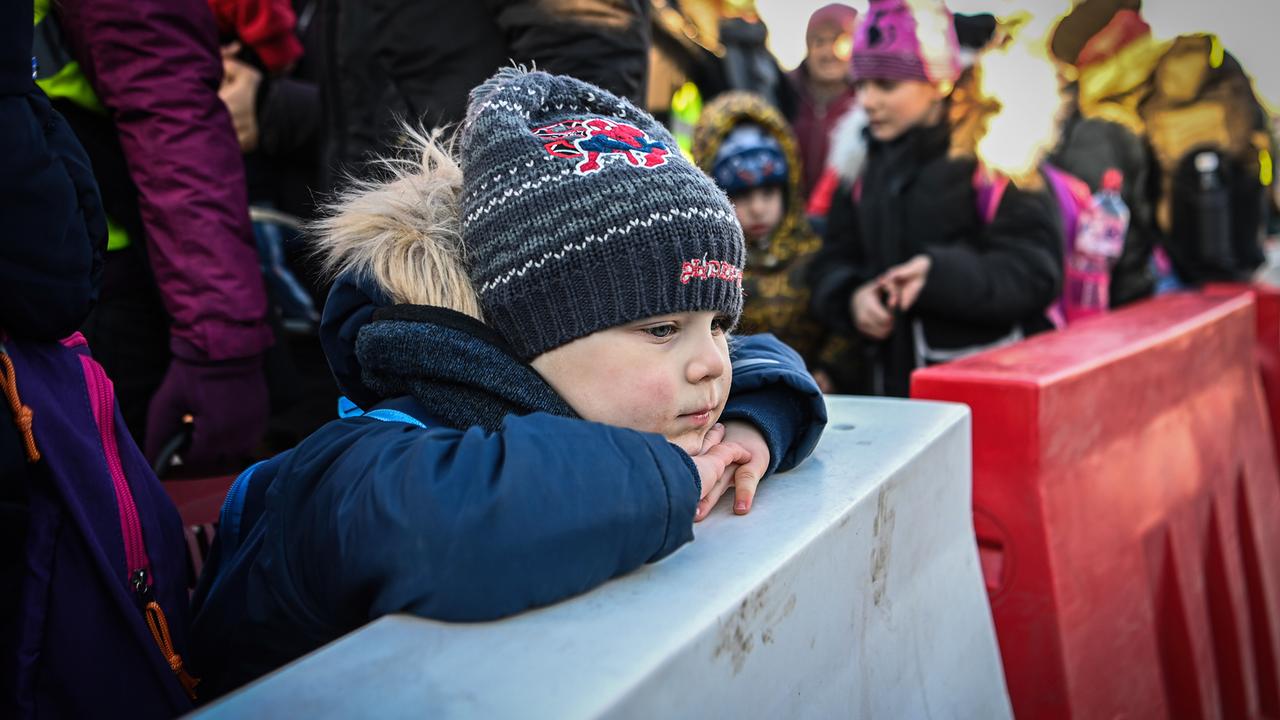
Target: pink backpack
(1074, 201)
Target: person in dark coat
(908, 260)
(415, 60)
(278, 119)
(575, 434)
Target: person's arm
(839, 268)
(469, 526)
(773, 391)
(1010, 269)
(155, 66)
(56, 232)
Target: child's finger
(729, 453)
(712, 438)
(879, 328)
(745, 481)
(910, 294)
(738, 455)
(888, 292)
(876, 312)
(712, 497)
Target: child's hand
(904, 282)
(716, 464)
(743, 476)
(870, 315)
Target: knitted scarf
(456, 367)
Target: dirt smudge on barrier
(756, 614)
(882, 531)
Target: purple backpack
(1074, 200)
(103, 600)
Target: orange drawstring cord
(160, 631)
(22, 415)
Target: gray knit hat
(580, 214)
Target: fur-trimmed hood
(793, 236)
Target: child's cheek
(656, 397)
(648, 406)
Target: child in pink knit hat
(907, 55)
(909, 262)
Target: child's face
(668, 374)
(895, 106)
(759, 211)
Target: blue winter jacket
(428, 515)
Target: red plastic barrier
(1127, 509)
(1268, 350)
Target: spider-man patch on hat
(594, 141)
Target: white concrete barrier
(852, 590)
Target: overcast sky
(1250, 29)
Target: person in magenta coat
(182, 325)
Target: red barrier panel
(1127, 509)
(1268, 350)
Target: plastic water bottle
(1099, 243)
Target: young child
(908, 259)
(746, 146)
(483, 481)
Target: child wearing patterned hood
(534, 346)
(746, 146)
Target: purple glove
(228, 401)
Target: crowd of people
(466, 229)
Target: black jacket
(50, 208)
(393, 60)
(987, 281)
